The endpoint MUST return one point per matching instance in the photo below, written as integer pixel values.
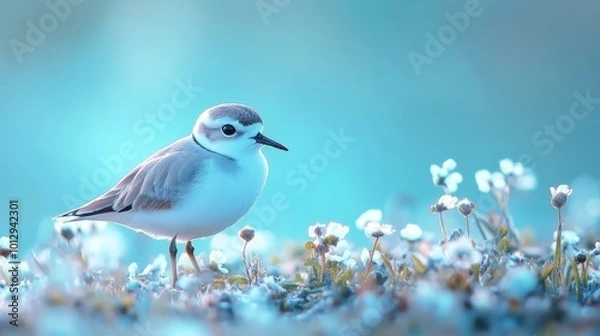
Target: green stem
(443, 226)
(558, 249)
(468, 230)
(246, 268)
(323, 267)
(370, 263)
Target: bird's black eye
(228, 130)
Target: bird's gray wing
(156, 184)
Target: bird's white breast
(211, 204)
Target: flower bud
(246, 234)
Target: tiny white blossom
(563, 188)
(517, 175)
(411, 232)
(364, 257)
(132, 270)
(272, 286)
(465, 207)
(344, 259)
(157, 267)
(247, 233)
(560, 195)
(374, 229)
(217, 258)
(340, 248)
(4, 243)
(336, 229)
(317, 230)
(528, 181)
(446, 202)
(185, 265)
(445, 176)
(508, 167)
(487, 180)
(372, 215)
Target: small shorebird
(195, 187)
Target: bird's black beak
(261, 139)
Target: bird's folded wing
(156, 184)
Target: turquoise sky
(83, 90)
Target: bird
(193, 188)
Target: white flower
(461, 253)
(317, 230)
(560, 195)
(217, 258)
(230, 244)
(568, 237)
(563, 188)
(184, 263)
(342, 245)
(364, 257)
(527, 181)
(374, 229)
(411, 232)
(157, 267)
(508, 167)
(336, 229)
(517, 175)
(247, 233)
(465, 207)
(446, 202)
(372, 215)
(445, 176)
(272, 286)
(263, 244)
(132, 270)
(344, 259)
(4, 243)
(486, 180)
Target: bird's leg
(173, 257)
(189, 250)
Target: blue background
(310, 68)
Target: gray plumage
(244, 114)
(158, 183)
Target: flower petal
(449, 165)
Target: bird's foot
(173, 258)
(189, 250)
